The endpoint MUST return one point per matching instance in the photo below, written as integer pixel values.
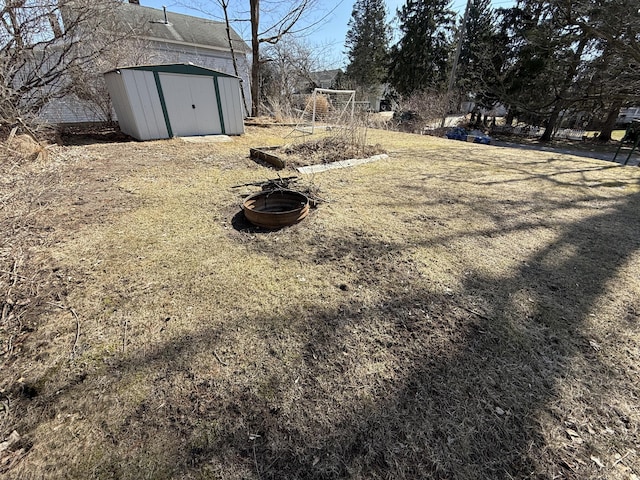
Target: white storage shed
(177, 100)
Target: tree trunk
(509, 118)
(224, 5)
(255, 61)
(560, 100)
(551, 123)
(609, 123)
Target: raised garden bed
(322, 151)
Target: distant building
(497, 111)
(628, 115)
(325, 78)
(320, 79)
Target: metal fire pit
(275, 208)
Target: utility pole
(454, 67)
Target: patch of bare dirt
(90, 134)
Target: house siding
(628, 115)
(70, 109)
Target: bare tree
(225, 8)
(281, 17)
(88, 82)
(286, 70)
(421, 109)
(271, 35)
(44, 44)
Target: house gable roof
(184, 29)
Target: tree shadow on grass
(411, 383)
(523, 172)
(467, 405)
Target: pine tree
(476, 65)
(553, 61)
(367, 44)
(543, 80)
(419, 60)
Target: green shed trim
(163, 104)
(219, 102)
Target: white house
(167, 37)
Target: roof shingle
(150, 23)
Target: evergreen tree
(617, 22)
(542, 81)
(476, 65)
(419, 60)
(610, 80)
(553, 61)
(367, 44)
(524, 62)
(612, 68)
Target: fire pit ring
(276, 208)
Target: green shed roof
(185, 68)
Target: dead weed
(326, 150)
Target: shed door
(191, 104)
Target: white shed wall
(231, 102)
(145, 103)
(196, 103)
(120, 101)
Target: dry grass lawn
(456, 311)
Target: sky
(324, 28)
